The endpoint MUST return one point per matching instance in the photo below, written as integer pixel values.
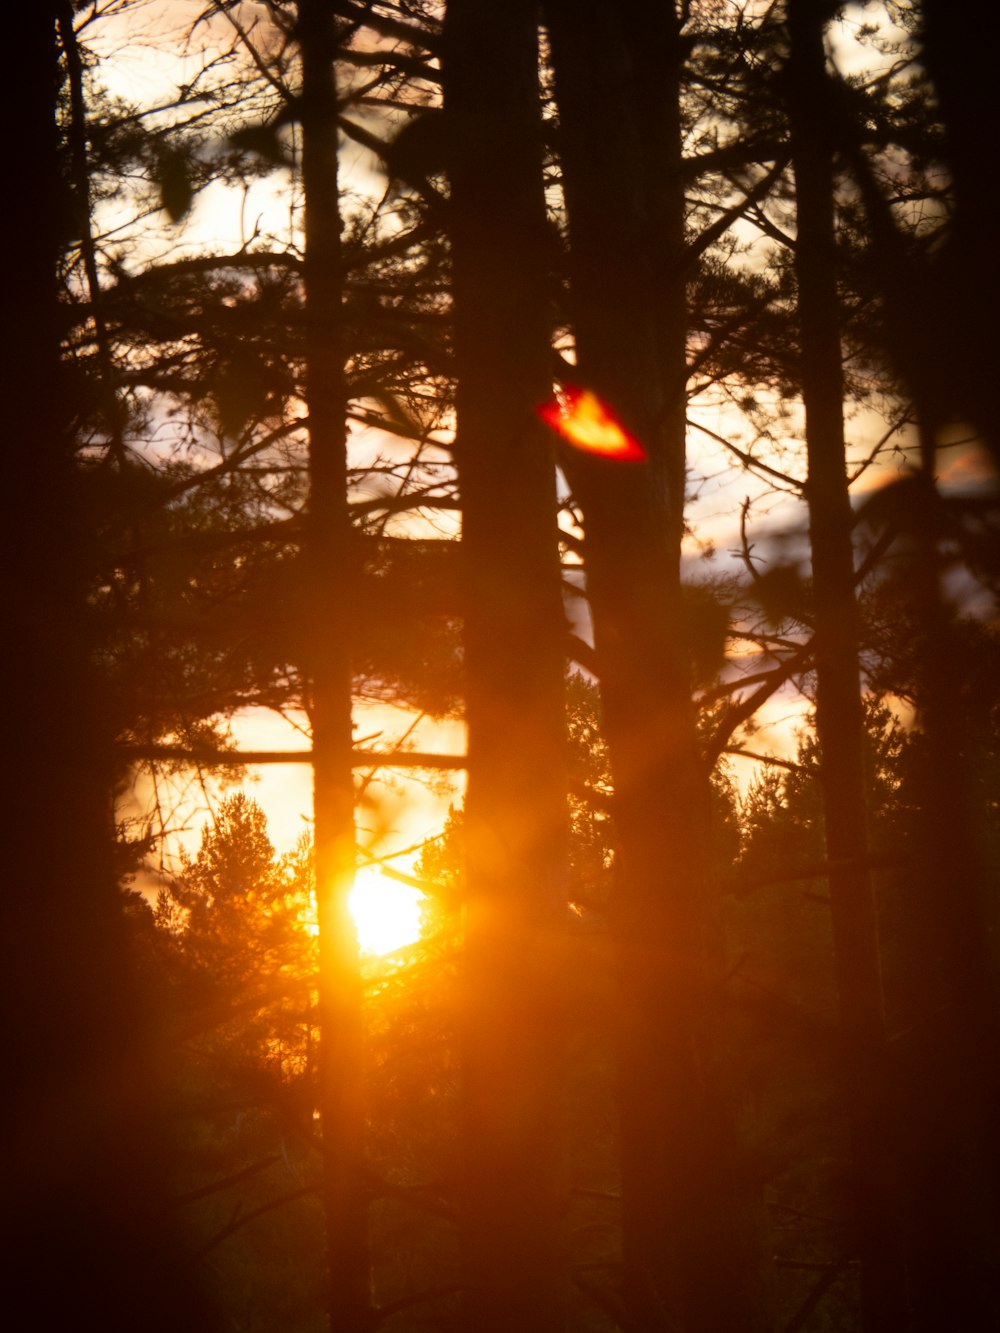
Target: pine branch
(240, 758)
(225, 1183)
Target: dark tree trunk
(617, 83)
(939, 318)
(965, 281)
(514, 1191)
(330, 582)
(839, 720)
(955, 1223)
(82, 1226)
(949, 1057)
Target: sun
(386, 913)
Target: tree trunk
(685, 1251)
(82, 1225)
(514, 1191)
(948, 1057)
(330, 584)
(839, 720)
(965, 282)
(939, 316)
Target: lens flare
(584, 421)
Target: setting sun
(386, 913)
(581, 418)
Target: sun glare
(581, 418)
(386, 913)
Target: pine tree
(514, 1184)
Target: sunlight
(581, 418)
(386, 913)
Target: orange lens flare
(581, 418)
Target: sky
(402, 806)
(148, 69)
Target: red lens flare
(581, 418)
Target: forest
(607, 386)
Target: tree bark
(82, 1226)
(514, 1187)
(330, 583)
(948, 1060)
(939, 317)
(964, 283)
(839, 719)
(686, 1258)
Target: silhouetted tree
(686, 1259)
(329, 572)
(838, 684)
(82, 1226)
(514, 1182)
(246, 962)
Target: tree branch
(240, 758)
